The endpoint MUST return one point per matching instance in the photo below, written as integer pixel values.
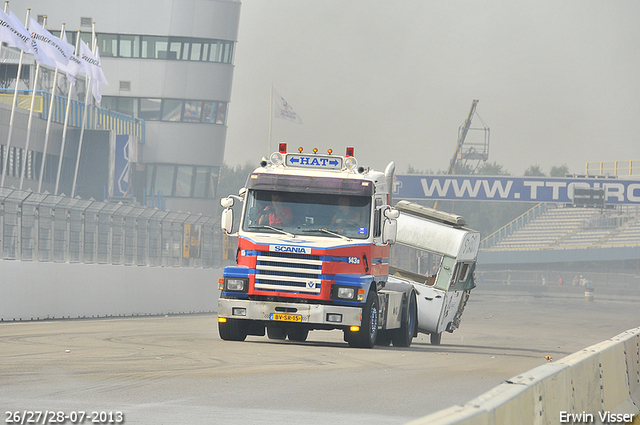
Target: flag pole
(49, 119)
(66, 121)
(33, 100)
(270, 120)
(6, 9)
(13, 109)
(87, 98)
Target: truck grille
(287, 272)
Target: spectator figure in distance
(276, 214)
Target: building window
(153, 47)
(158, 47)
(175, 110)
(163, 181)
(201, 180)
(192, 111)
(171, 110)
(183, 181)
(221, 113)
(129, 46)
(126, 106)
(150, 109)
(108, 45)
(209, 112)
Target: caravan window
(464, 277)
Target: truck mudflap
(311, 314)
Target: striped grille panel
(288, 272)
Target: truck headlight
(235, 284)
(345, 292)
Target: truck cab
(313, 249)
(314, 240)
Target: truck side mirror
(226, 221)
(390, 225)
(389, 231)
(226, 202)
(392, 213)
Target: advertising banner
(506, 188)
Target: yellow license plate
(286, 317)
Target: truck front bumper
(311, 314)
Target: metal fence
(45, 227)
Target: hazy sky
(558, 82)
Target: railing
(97, 119)
(626, 167)
(514, 225)
(50, 228)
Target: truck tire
(276, 332)
(366, 336)
(298, 334)
(233, 330)
(403, 336)
(384, 338)
(435, 338)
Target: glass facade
(176, 110)
(181, 181)
(158, 47)
(170, 180)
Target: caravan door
(433, 301)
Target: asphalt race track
(176, 370)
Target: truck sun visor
(289, 183)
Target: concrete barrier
(600, 385)
(38, 290)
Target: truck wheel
(366, 336)
(298, 334)
(233, 330)
(276, 332)
(435, 338)
(402, 337)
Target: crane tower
(470, 152)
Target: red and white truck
(314, 243)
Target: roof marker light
(300, 149)
(349, 152)
(329, 151)
(315, 150)
(282, 147)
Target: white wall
(37, 290)
(603, 378)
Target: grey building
(169, 63)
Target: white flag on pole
(93, 69)
(72, 68)
(55, 51)
(282, 109)
(14, 33)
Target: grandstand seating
(560, 227)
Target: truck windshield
(297, 213)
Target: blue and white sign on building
(314, 161)
(125, 154)
(506, 188)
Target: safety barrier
(599, 385)
(63, 257)
(50, 228)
